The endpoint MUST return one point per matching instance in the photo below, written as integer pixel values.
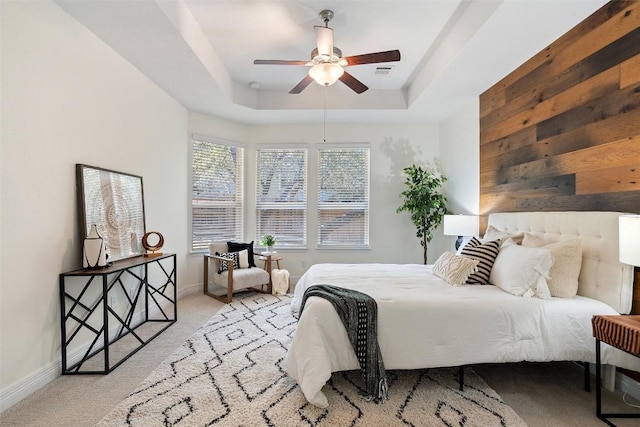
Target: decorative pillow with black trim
(224, 265)
(486, 254)
(237, 247)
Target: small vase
(270, 249)
(94, 254)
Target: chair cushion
(243, 278)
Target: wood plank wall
(562, 132)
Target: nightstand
(621, 332)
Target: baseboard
(29, 384)
(14, 393)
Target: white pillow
(522, 271)
(567, 261)
(493, 233)
(454, 269)
(243, 257)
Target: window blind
(217, 192)
(343, 197)
(281, 195)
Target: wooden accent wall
(562, 132)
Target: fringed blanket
(359, 314)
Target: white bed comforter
(423, 322)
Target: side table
(268, 258)
(621, 332)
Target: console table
(113, 312)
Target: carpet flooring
(230, 373)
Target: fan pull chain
(324, 125)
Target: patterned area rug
(230, 373)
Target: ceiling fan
(327, 64)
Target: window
(216, 193)
(281, 195)
(343, 196)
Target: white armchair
(233, 278)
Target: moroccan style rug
(230, 373)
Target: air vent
(383, 70)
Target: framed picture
(114, 202)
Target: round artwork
(153, 247)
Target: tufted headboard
(602, 276)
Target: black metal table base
(602, 415)
(86, 312)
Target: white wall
(67, 98)
(460, 154)
(393, 147)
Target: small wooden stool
(621, 332)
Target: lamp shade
(629, 228)
(461, 225)
(326, 73)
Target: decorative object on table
(268, 241)
(461, 226)
(94, 252)
(114, 202)
(629, 230)
(424, 201)
(153, 247)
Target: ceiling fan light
(326, 74)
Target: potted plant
(268, 240)
(424, 201)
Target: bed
(424, 322)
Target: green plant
(424, 201)
(268, 240)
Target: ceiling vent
(383, 70)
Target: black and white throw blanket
(359, 314)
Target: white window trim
(340, 146)
(219, 141)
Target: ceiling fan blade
(278, 62)
(324, 41)
(302, 85)
(372, 58)
(356, 85)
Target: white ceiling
(201, 52)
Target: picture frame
(114, 202)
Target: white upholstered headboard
(602, 276)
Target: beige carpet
(230, 373)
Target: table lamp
(629, 229)
(461, 226)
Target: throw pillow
(493, 233)
(454, 269)
(486, 254)
(224, 265)
(243, 259)
(237, 247)
(567, 261)
(522, 271)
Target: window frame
(239, 199)
(302, 205)
(365, 205)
